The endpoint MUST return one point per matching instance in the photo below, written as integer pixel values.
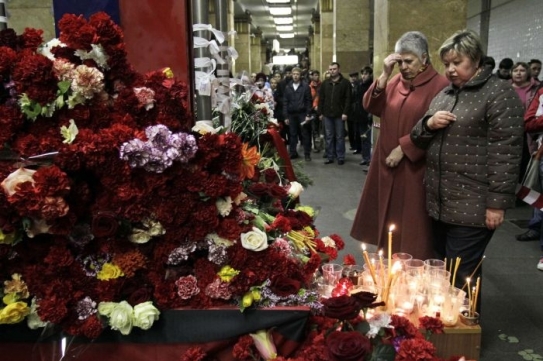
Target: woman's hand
(494, 218)
(389, 62)
(441, 119)
(394, 157)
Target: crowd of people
(451, 150)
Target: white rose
(33, 320)
(122, 317)
(155, 228)
(105, 308)
(224, 206)
(295, 190)
(255, 240)
(139, 236)
(19, 176)
(145, 314)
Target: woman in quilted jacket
(473, 135)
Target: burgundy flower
(342, 307)
(431, 324)
(283, 286)
(415, 349)
(104, 224)
(348, 346)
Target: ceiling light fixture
(283, 21)
(278, 1)
(280, 10)
(285, 59)
(284, 27)
(286, 35)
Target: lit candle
(370, 265)
(390, 229)
(469, 297)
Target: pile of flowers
(112, 207)
(344, 333)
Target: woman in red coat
(394, 192)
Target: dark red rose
(285, 286)
(140, 295)
(366, 299)
(277, 191)
(104, 224)
(348, 346)
(342, 307)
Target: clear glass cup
(402, 257)
(331, 273)
(434, 263)
(354, 273)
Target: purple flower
(136, 152)
(85, 308)
(157, 161)
(181, 254)
(158, 136)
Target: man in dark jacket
(297, 110)
(334, 107)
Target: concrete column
(316, 43)
(392, 18)
(231, 25)
(352, 19)
(395, 17)
(256, 51)
(211, 14)
(36, 14)
(263, 56)
(328, 45)
(243, 43)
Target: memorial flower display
(113, 208)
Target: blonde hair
(464, 42)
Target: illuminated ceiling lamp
(286, 35)
(283, 20)
(284, 27)
(278, 1)
(280, 11)
(285, 59)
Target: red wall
(158, 34)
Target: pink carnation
(187, 287)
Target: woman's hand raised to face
(389, 62)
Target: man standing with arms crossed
(334, 105)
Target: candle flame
(397, 267)
(363, 246)
(380, 253)
(391, 228)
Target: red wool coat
(397, 195)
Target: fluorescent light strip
(280, 11)
(287, 35)
(284, 27)
(285, 59)
(283, 21)
(278, 1)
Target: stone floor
(512, 299)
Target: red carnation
(415, 349)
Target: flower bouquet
(113, 208)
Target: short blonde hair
(296, 69)
(464, 42)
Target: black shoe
(364, 162)
(325, 155)
(293, 156)
(307, 158)
(529, 235)
(329, 161)
(357, 152)
(340, 162)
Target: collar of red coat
(407, 86)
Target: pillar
(200, 11)
(327, 34)
(242, 25)
(264, 56)
(352, 19)
(316, 43)
(429, 16)
(256, 51)
(36, 14)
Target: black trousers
(468, 243)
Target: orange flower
(251, 157)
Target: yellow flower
(10, 298)
(256, 295)
(251, 157)
(264, 344)
(69, 133)
(307, 209)
(14, 313)
(8, 238)
(168, 73)
(109, 271)
(247, 300)
(16, 286)
(227, 273)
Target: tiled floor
(512, 298)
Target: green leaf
(502, 337)
(63, 86)
(383, 353)
(512, 339)
(363, 327)
(536, 356)
(522, 353)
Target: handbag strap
(539, 153)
